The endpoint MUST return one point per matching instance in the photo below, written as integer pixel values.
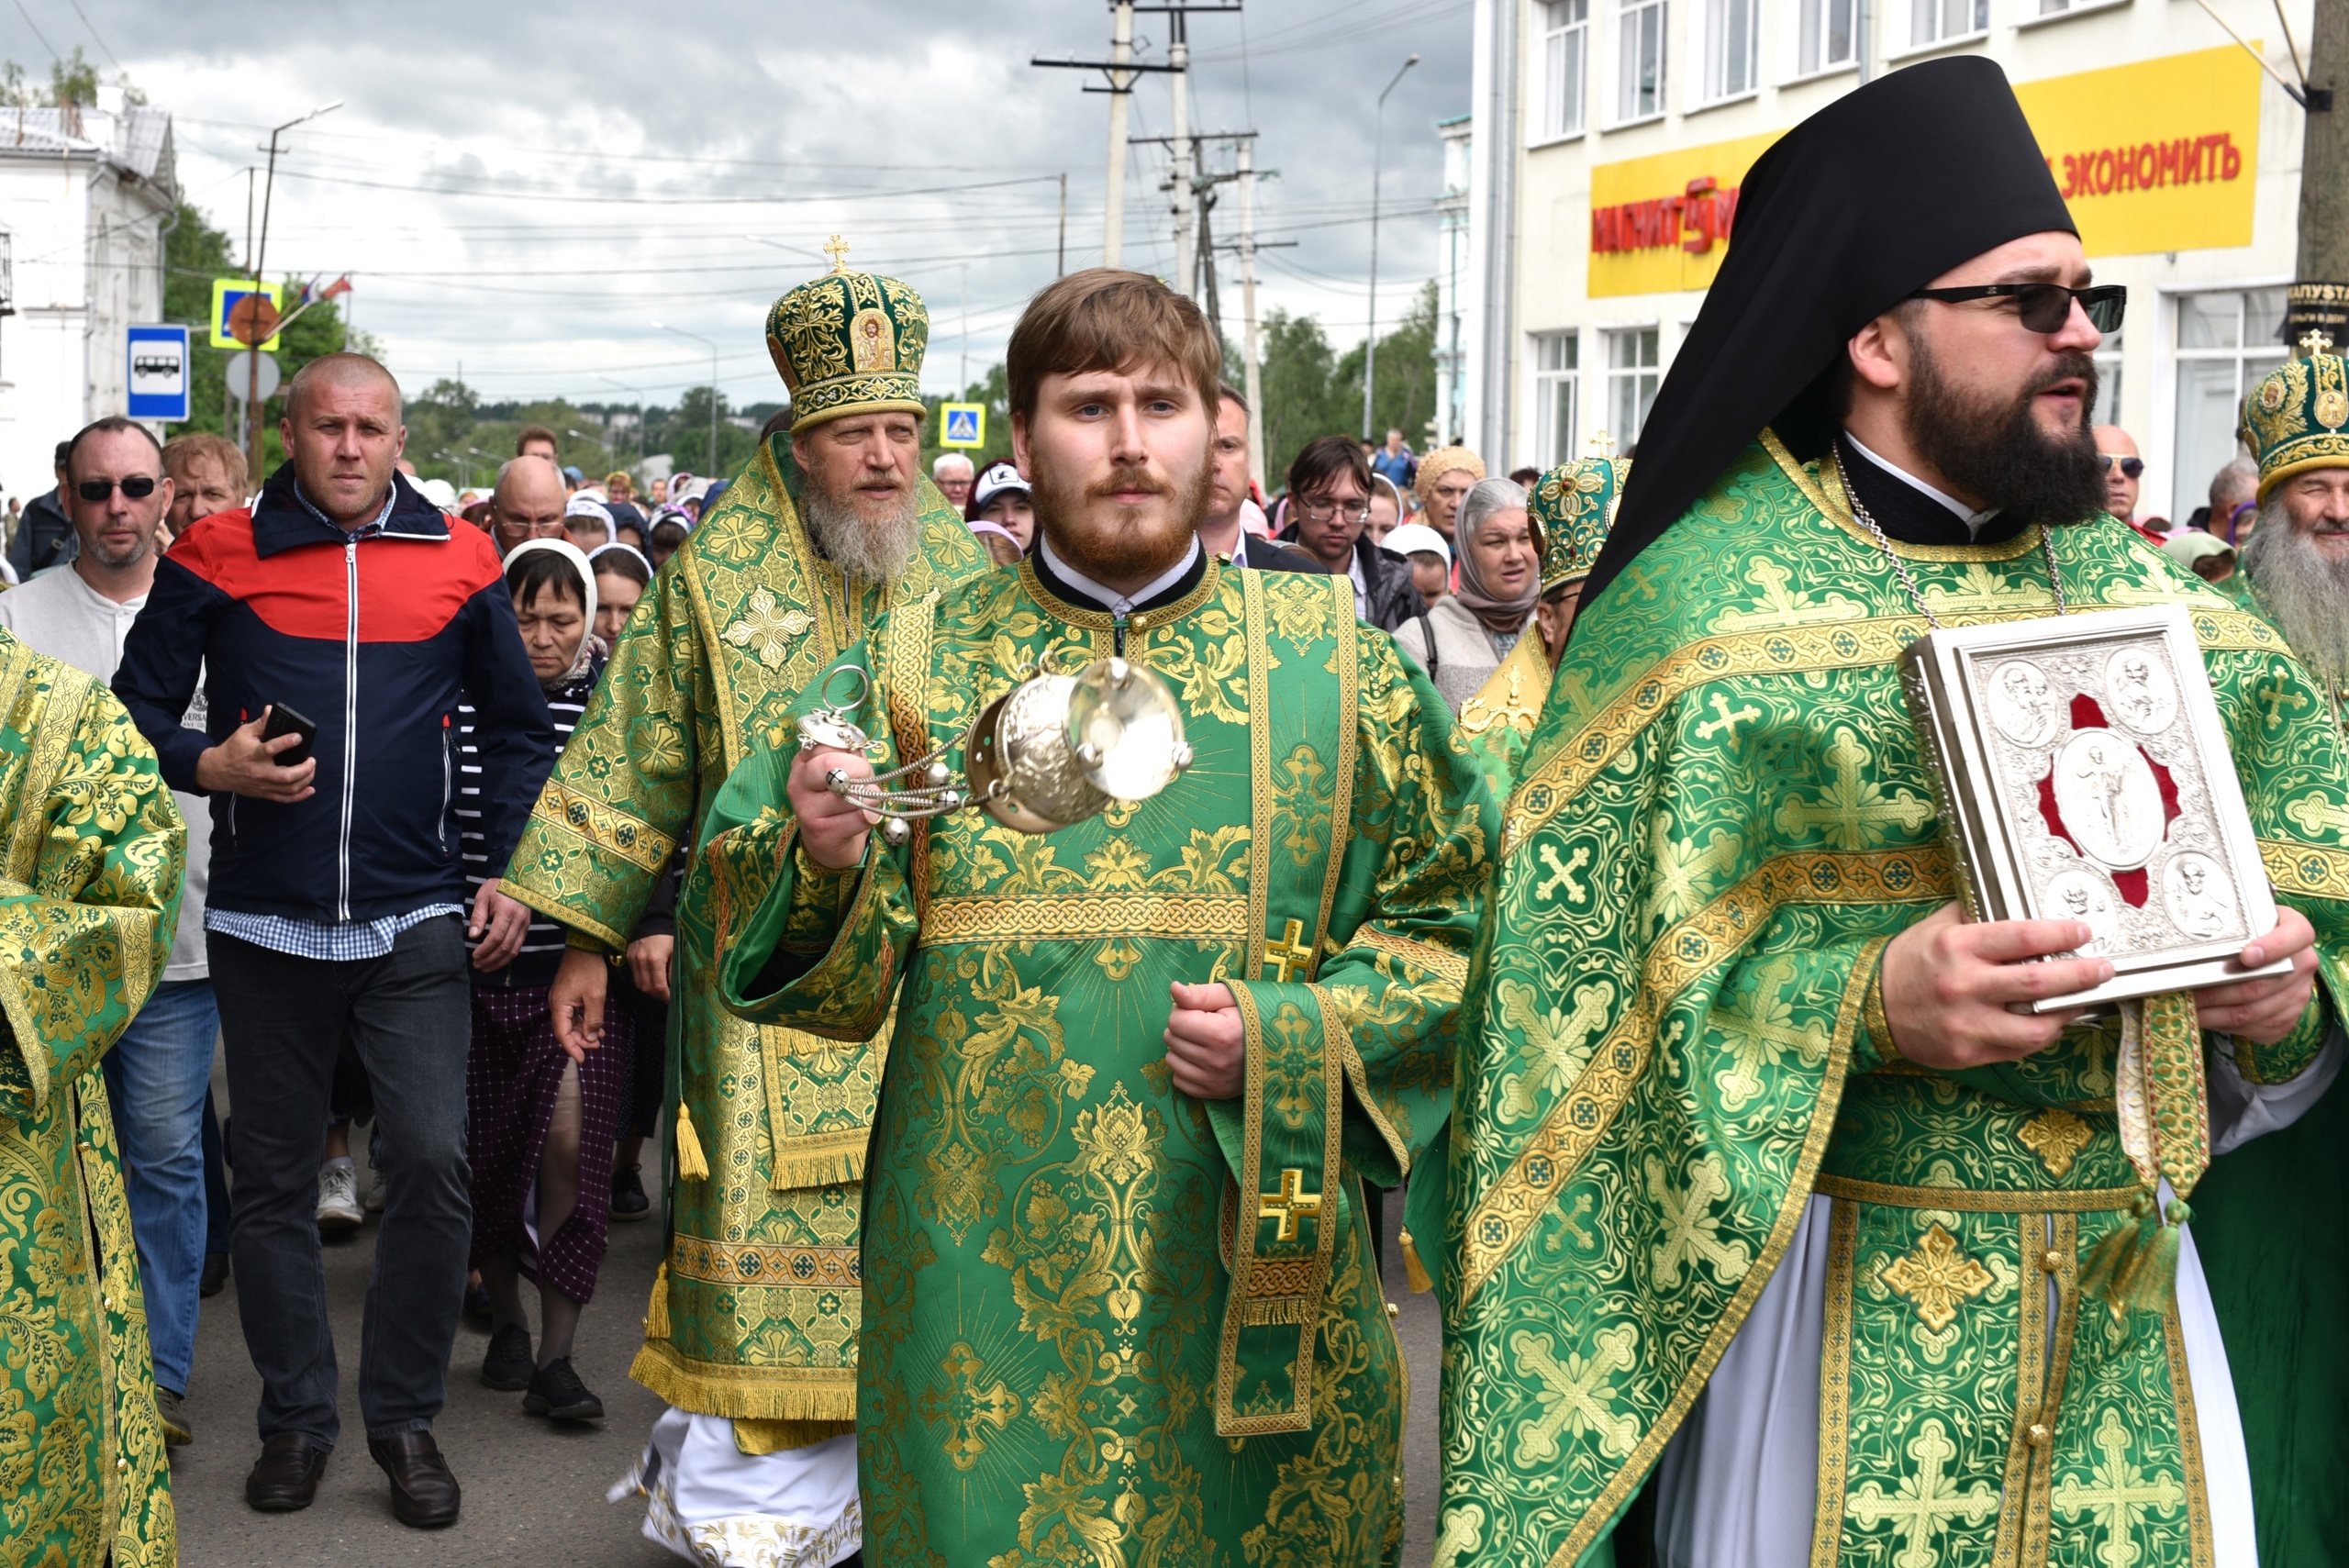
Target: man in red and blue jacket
(336, 910)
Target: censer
(1054, 751)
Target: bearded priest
(1121, 1304)
(752, 1332)
(1768, 1214)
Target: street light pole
(1378, 147)
(260, 284)
(639, 410)
(713, 388)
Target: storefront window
(2226, 342)
(1632, 378)
(1556, 357)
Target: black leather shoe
(285, 1477)
(216, 1275)
(628, 1199)
(556, 1392)
(424, 1494)
(508, 1365)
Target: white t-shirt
(58, 614)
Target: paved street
(534, 1489)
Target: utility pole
(1121, 92)
(1060, 257)
(261, 319)
(1249, 350)
(1378, 150)
(1178, 59)
(2320, 298)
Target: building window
(1936, 21)
(1639, 55)
(2107, 380)
(1729, 47)
(1565, 31)
(1632, 378)
(1556, 358)
(2226, 342)
(1824, 35)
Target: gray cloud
(523, 191)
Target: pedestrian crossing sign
(226, 295)
(967, 424)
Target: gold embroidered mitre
(2296, 414)
(849, 342)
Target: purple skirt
(512, 1076)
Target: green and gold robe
(1498, 719)
(91, 853)
(1107, 1323)
(1672, 1039)
(754, 1314)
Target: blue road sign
(967, 424)
(158, 373)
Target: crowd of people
(1552, 849)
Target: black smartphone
(284, 720)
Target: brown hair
(537, 433)
(1106, 318)
(183, 453)
(1323, 462)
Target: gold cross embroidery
(1281, 1207)
(2119, 1495)
(1855, 811)
(2312, 814)
(1922, 1507)
(1290, 950)
(767, 629)
(836, 248)
(1937, 1278)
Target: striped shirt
(542, 945)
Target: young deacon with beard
(1120, 1299)
(1758, 1186)
(752, 1331)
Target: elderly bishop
(753, 1330)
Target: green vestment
(755, 1313)
(91, 853)
(2270, 1220)
(1107, 1323)
(1498, 720)
(1671, 1040)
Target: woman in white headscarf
(1464, 637)
(539, 1123)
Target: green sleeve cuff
(2291, 1056)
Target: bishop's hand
(2266, 1009)
(1948, 981)
(832, 829)
(1207, 1045)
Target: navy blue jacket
(375, 639)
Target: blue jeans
(409, 1015)
(157, 1078)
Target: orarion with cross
(1281, 1207)
(1291, 952)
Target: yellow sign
(2161, 155)
(226, 293)
(1659, 225)
(961, 423)
(2157, 156)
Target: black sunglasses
(2045, 307)
(139, 487)
(2132, 466)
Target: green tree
(1310, 390)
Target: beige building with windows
(1612, 136)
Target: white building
(85, 196)
(1451, 280)
(1635, 120)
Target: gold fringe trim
(691, 1163)
(1414, 1273)
(758, 1439)
(746, 1392)
(832, 1160)
(1293, 1310)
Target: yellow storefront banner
(2160, 155)
(2156, 156)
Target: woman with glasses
(1464, 637)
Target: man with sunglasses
(115, 495)
(1755, 1164)
(2124, 471)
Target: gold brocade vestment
(755, 1315)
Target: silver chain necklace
(1900, 567)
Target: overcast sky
(526, 190)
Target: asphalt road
(534, 1489)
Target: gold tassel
(691, 1163)
(1414, 1273)
(2134, 1265)
(656, 1312)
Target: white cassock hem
(1738, 1486)
(713, 1505)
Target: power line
(615, 200)
(27, 16)
(94, 32)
